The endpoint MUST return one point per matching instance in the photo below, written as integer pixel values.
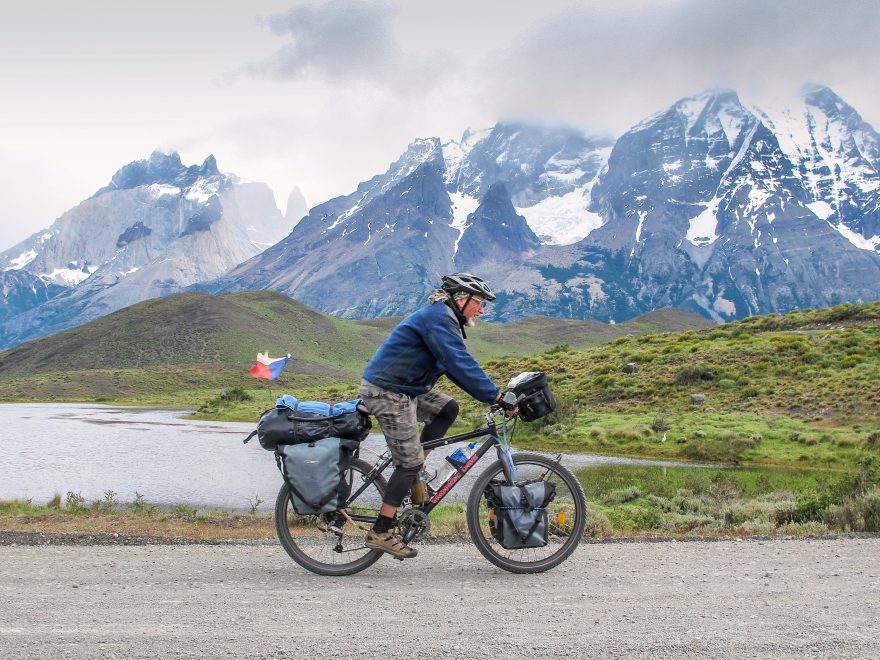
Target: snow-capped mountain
(157, 227)
(711, 205)
(497, 195)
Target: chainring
(415, 522)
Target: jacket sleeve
(444, 340)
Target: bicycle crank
(414, 525)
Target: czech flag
(269, 368)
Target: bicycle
(333, 543)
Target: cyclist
(398, 383)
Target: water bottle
(456, 460)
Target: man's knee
(449, 411)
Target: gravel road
(767, 598)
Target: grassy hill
(182, 349)
(802, 388)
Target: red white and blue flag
(269, 368)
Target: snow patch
(822, 210)
(857, 239)
(562, 220)
(21, 260)
(702, 229)
(163, 190)
(68, 276)
(201, 191)
(462, 207)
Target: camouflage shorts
(399, 416)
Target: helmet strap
(462, 319)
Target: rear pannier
(534, 398)
(293, 422)
(315, 473)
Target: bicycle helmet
(467, 283)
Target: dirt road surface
(775, 598)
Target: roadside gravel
(776, 598)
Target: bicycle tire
(311, 545)
(564, 537)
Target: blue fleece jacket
(424, 346)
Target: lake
(90, 449)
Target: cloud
(611, 66)
(338, 40)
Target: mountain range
(712, 205)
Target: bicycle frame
(490, 432)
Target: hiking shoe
(390, 543)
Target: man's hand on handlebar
(508, 402)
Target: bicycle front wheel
(566, 516)
(332, 543)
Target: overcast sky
(322, 95)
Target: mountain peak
(209, 167)
(162, 168)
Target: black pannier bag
(293, 422)
(520, 513)
(534, 398)
(315, 473)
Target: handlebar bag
(315, 473)
(534, 398)
(520, 513)
(292, 422)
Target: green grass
(675, 500)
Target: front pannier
(293, 422)
(520, 513)
(315, 473)
(534, 398)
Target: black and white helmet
(467, 283)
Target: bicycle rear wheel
(567, 516)
(331, 543)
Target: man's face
(472, 309)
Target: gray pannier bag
(315, 473)
(520, 519)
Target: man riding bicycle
(398, 383)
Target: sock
(383, 524)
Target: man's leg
(397, 416)
(438, 411)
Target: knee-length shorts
(399, 416)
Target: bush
(692, 374)
(860, 514)
(75, 502)
(598, 525)
(622, 496)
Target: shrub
(871, 442)
(622, 496)
(692, 374)
(859, 514)
(598, 525)
(659, 424)
(75, 502)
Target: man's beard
(471, 323)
